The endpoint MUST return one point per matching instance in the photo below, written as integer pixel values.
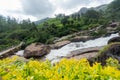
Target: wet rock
(111, 50)
(60, 44)
(36, 50)
(83, 51)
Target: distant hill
(41, 21)
(83, 10)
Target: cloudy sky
(38, 9)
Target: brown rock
(87, 55)
(111, 50)
(83, 51)
(36, 50)
(60, 44)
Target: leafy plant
(14, 69)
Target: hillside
(13, 32)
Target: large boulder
(36, 50)
(111, 50)
(114, 39)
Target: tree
(64, 21)
(60, 16)
(92, 14)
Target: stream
(55, 54)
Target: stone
(83, 51)
(111, 50)
(60, 44)
(36, 50)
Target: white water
(56, 53)
(20, 53)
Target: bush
(15, 69)
(99, 33)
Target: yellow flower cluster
(14, 69)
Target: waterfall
(56, 53)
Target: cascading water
(55, 54)
(20, 53)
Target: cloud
(38, 8)
(98, 2)
(69, 4)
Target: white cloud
(10, 5)
(37, 9)
(13, 8)
(71, 6)
(98, 2)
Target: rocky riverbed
(67, 49)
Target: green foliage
(13, 32)
(50, 41)
(7, 43)
(16, 69)
(27, 31)
(98, 33)
(113, 11)
(113, 62)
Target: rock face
(111, 50)
(36, 50)
(11, 51)
(60, 44)
(115, 39)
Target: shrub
(14, 69)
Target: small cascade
(55, 54)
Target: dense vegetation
(15, 69)
(13, 32)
